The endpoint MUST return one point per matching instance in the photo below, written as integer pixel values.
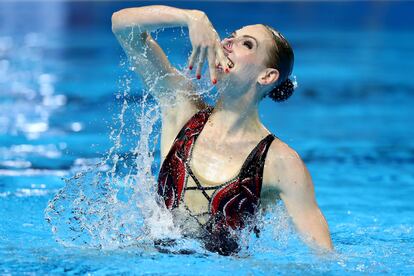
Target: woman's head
(282, 58)
(260, 54)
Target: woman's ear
(268, 76)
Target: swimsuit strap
(237, 202)
(199, 186)
(254, 165)
(173, 176)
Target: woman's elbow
(119, 20)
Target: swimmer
(220, 165)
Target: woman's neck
(236, 115)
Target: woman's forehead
(258, 31)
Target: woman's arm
(293, 181)
(150, 18)
(175, 92)
(132, 27)
(300, 202)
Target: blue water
(61, 77)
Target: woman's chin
(221, 75)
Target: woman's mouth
(230, 64)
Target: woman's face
(247, 50)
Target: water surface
(62, 89)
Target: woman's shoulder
(282, 162)
(280, 150)
(281, 155)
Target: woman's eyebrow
(233, 34)
(249, 36)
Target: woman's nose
(228, 44)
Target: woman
(221, 165)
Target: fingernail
(190, 67)
(198, 77)
(214, 81)
(227, 70)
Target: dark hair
(281, 57)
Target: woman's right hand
(206, 44)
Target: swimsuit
(232, 205)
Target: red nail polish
(190, 67)
(214, 81)
(198, 77)
(227, 70)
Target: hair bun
(283, 91)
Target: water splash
(114, 204)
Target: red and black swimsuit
(233, 204)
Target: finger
(212, 65)
(193, 57)
(201, 59)
(222, 59)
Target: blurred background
(350, 118)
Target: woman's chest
(217, 163)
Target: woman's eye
(248, 44)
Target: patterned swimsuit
(232, 204)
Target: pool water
(63, 82)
